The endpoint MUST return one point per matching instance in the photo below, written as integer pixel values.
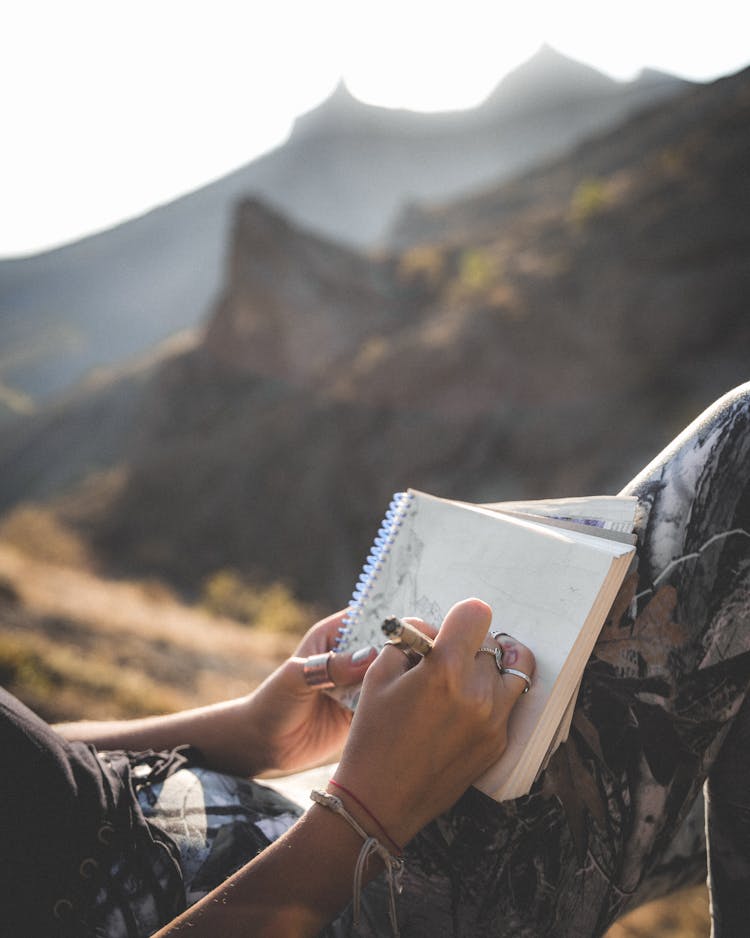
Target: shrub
(272, 607)
(589, 199)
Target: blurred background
(263, 265)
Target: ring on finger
(524, 677)
(316, 672)
(411, 656)
(497, 654)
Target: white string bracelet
(394, 866)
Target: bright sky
(110, 107)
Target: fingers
(350, 668)
(322, 636)
(428, 629)
(459, 637)
(512, 674)
(518, 666)
(464, 628)
(462, 633)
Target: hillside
(344, 173)
(545, 338)
(549, 351)
(75, 646)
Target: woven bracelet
(355, 799)
(394, 866)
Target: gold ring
(413, 657)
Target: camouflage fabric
(217, 822)
(617, 818)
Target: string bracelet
(394, 866)
(355, 799)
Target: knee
(718, 437)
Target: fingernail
(510, 652)
(359, 657)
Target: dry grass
(75, 645)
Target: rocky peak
(547, 78)
(293, 303)
(340, 111)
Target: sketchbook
(550, 570)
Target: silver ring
(524, 677)
(497, 654)
(315, 671)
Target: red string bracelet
(368, 812)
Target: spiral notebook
(550, 570)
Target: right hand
(421, 736)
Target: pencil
(403, 633)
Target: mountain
(549, 80)
(568, 324)
(344, 173)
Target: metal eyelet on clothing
(104, 834)
(88, 868)
(63, 910)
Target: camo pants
(618, 816)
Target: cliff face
(560, 331)
(547, 346)
(345, 172)
(293, 305)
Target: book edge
(522, 776)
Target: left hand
(301, 725)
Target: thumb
(464, 628)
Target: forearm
(224, 733)
(295, 887)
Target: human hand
(422, 735)
(300, 725)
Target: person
(114, 879)
(615, 819)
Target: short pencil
(403, 633)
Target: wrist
(251, 742)
(372, 848)
(367, 818)
(395, 814)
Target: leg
(607, 823)
(728, 829)
(76, 855)
(217, 822)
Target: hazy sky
(110, 107)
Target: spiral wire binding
(394, 518)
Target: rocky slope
(344, 172)
(567, 325)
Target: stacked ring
(524, 677)
(497, 654)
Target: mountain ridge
(111, 296)
(551, 347)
